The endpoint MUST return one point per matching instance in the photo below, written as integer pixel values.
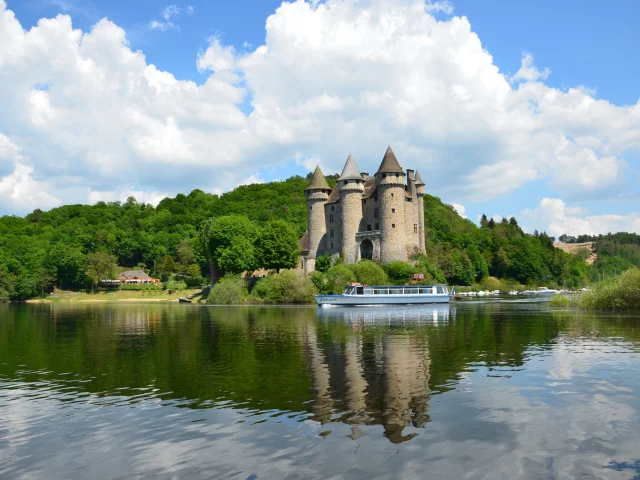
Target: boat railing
(413, 290)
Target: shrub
(560, 300)
(337, 278)
(432, 274)
(285, 287)
(323, 263)
(231, 290)
(399, 273)
(133, 286)
(194, 282)
(621, 293)
(369, 273)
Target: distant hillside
(615, 252)
(584, 250)
(50, 248)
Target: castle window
(332, 208)
(375, 213)
(330, 218)
(364, 202)
(331, 233)
(393, 210)
(393, 225)
(368, 228)
(311, 207)
(415, 228)
(377, 226)
(392, 195)
(332, 245)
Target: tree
(513, 221)
(277, 246)
(193, 270)
(44, 279)
(484, 221)
(168, 265)
(491, 224)
(185, 254)
(323, 262)
(230, 241)
(101, 266)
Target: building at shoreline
(379, 217)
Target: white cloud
(332, 77)
(554, 217)
(168, 13)
(528, 72)
(121, 196)
(460, 209)
(18, 188)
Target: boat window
(440, 289)
(395, 291)
(425, 290)
(368, 291)
(411, 291)
(380, 291)
(348, 290)
(359, 290)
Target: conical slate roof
(350, 171)
(419, 182)
(318, 182)
(390, 163)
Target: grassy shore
(116, 296)
(620, 293)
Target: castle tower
(391, 188)
(420, 199)
(351, 186)
(316, 194)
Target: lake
(472, 390)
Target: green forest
(257, 226)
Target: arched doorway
(366, 249)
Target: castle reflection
(376, 372)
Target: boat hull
(354, 300)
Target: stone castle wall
(351, 194)
(392, 218)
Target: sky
(530, 109)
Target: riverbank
(620, 293)
(151, 296)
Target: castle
(378, 217)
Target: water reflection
(416, 315)
(271, 382)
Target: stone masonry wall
(392, 218)
(317, 225)
(351, 194)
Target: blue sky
(584, 45)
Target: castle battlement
(379, 217)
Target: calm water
(472, 390)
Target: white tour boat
(358, 294)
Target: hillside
(584, 250)
(50, 248)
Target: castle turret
(317, 193)
(420, 194)
(391, 188)
(351, 186)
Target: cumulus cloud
(459, 209)
(18, 188)
(331, 77)
(556, 218)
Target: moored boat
(540, 291)
(359, 294)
